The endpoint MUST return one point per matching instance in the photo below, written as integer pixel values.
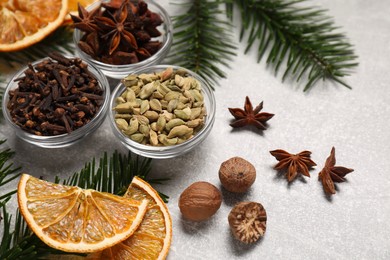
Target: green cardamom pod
(153, 137)
(155, 105)
(133, 127)
(121, 123)
(180, 131)
(174, 122)
(144, 129)
(147, 90)
(161, 122)
(144, 106)
(123, 108)
(130, 94)
(184, 114)
(137, 137)
(151, 115)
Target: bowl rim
(76, 134)
(172, 150)
(155, 57)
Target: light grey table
(302, 223)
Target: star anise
(331, 173)
(118, 28)
(85, 21)
(294, 163)
(250, 116)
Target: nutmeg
(200, 201)
(237, 174)
(248, 221)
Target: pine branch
(113, 175)
(202, 40)
(304, 38)
(7, 172)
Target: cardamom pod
(133, 127)
(196, 94)
(195, 112)
(161, 122)
(180, 131)
(171, 95)
(121, 123)
(166, 74)
(123, 108)
(155, 105)
(153, 126)
(151, 115)
(147, 90)
(143, 120)
(138, 137)
(172, 104)
(179, 80)
(153, 138)
(120, 100)
(194, 123)
(130, 95)
(167, 141)
(130, 80)
(144, 106)
(174, 122)
(144, 129)
(184, 114)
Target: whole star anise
(250, 116)
(293, 163)
(331, 173)
(85, 21)
(117, 29)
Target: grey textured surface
(302, 222)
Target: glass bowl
(121, 71)
(62, 140)
(164, 152)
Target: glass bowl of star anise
(120, 36)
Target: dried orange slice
(72, 7)
(72, 219)
(153, 237)
(25, 22)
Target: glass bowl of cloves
(162, 111)
(56, 101)
(120, 36)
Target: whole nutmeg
(237, 174)
(248, 221)
(200, 201)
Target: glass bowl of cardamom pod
(56, 101)
(120, 37)
(162, 111)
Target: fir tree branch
(202, 40)
(304, 38)
(7, 172)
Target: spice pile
(160, 109)
(119, 32)
(56, 96)
(201, 200)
